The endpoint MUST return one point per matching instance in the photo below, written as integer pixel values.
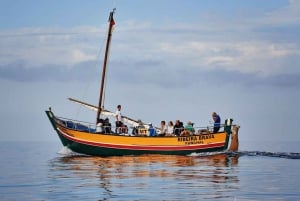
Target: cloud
(289, 14)
(43, 46)
(147, 73)
(281, 25)
(250, 50)
(20, 72)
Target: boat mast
(111, 24)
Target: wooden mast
(111, 24)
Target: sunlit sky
(169, 60)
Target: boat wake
(288, 155)
(65, 152)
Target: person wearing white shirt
(163, 128)
(170, 129)
(118, 117)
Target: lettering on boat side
(195, 139)
(143, 131)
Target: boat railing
(92, 127)
(76, 124)
(201, 129)
(86, 126)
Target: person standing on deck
(118, 117)
(217, 122)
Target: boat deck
(91, 128)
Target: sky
(169, 60)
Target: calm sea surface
(46, 171)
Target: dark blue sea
(47, 171)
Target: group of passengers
(177, 129)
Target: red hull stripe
(144, 147)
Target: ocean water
(47, 171)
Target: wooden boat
(81, 137)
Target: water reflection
(144, 166)
(128, 174)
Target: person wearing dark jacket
(178, 127)
(217, 122)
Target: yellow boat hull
(89, 143)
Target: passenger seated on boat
(123, 129)
(107, 126)
(190, 127)
(163, 128)
(185, 132)
(178, 127)
(99, 126)
(152, 131)
(170, 129)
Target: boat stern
(234, 145)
